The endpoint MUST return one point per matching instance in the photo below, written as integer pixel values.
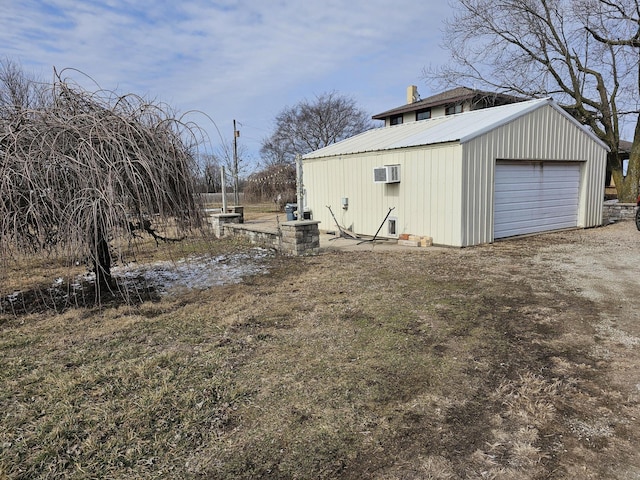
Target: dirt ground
(533, 344)
(515, 360)
(572, 301)
(592, 277)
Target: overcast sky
(233, 59)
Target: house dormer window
(395, 120)
(453, 109)
(423, 114)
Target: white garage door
(535, 197)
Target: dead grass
(346, 365)
(45, 282)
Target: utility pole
(236, 194)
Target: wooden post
(299, 188)
(224, 190)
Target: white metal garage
(535, 197)
(464, 179)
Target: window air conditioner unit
(387, 174)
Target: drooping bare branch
(76, 172)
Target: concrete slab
(270, 221)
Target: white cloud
(243, 59)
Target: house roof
(625, 146)
(461, 128)
(455, 95)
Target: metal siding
(432, 196)
(477, 187)
(446, 190)
(322, 190)
(328, 180)
(427, 200)
(543, 134)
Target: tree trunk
(627, 185)
(102, 264)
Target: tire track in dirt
(599, 267)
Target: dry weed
(337, 366)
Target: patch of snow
(197, 272)
(13, 296)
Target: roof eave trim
(309, 156)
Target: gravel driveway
(602, 266)
(591, 281)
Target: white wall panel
(426, 201)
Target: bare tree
(235, 170)
(275, 183)
(18, 90)
(92, 167)
(209, 180)
(583, 52)
(308, 126)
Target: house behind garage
(462, 179)
(450, 102)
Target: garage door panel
(533, 223)
(516, 195)
(534, 180)
(514, 168)
(535, 197)
(535, 176)
(514, 217)
(526, 228)
(527, 196)
(511, 212)
(568, 182)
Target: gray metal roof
(454, 128)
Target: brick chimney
(412, 94)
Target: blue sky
(233, 59)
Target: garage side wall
(427, 201)
(543, 134)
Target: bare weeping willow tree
(84, 170)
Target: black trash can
(289, 208)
